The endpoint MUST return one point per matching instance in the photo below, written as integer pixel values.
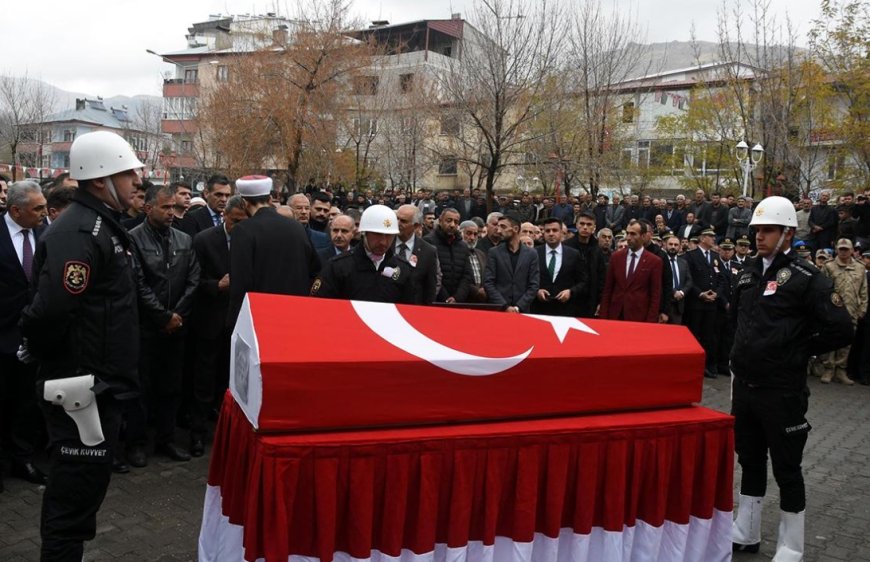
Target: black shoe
(735, 547)
(709, 374)
(120, 467)
(28, 471)
(173, 451)
(865, 382)
(197, 447)
(136, 457)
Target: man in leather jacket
(167, 278)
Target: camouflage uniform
(850, 283)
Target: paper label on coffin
(327, 364)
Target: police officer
(786, 311)
(370, 271)
(83, 321)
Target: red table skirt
(398, 493)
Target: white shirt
(767, 261)
(628, 260)
(18, 238)
(375, 259)
(558, 250)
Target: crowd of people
(180, 263)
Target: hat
(727, 244)
(693, 239)
(707, 232)
(844, 243)
(197, 201)
(744, 241)
(254, 186)
(822, 253)
(799, 244)
(866, 254)
(620, 235)
(804, 251)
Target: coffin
(309, 364)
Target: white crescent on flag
(385, 320)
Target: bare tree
(24, 102)
(495, 84)
(146, 122)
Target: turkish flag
(302, 363)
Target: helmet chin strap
(781, 240)
(110, 187)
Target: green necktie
(551, 267)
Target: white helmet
(379, 218)
(775, 210)
(100, 154)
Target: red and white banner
(638, 486)
(302, 363)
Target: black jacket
(167, 275)
(352, 275)
(783, 317)
(84, 314)
(269, 254)
(456, 274)
(572, 275)
(211, 304)
(593, 261)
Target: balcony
(174, 126)
(178, 88)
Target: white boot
(746, 530)
(790, 543)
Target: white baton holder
(77, 397)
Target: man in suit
(674, 217)
(217, 192)
(592, 259)
(512, 277)
(709, 288)
(563, 277)
(269, 253)
(209, 331)
(19, 414)
(341, 231)
(422, 256)
(681, 281)
(302, 212)
(633, 283)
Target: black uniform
(706, 275)
(352, 275)
(269, 254)
(83, 320)
(783, 317)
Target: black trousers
(161, 370)
(21, 424)
(211, 378)
(77, 480)
(771, 419)
(702, 324)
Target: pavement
(154, 513)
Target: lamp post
(747, 162)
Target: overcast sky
(98, 47)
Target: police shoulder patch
(836, 299)
(783, 275)
(396, 273)
(76, 275)
(807, 268)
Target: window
(628, 112)
(450, 124)
(66, 159)
(643, 153)
(223, 73)
(365, 127)
(46, 161)
(661, 154)
(365, 85)
(406, 82)
(186, 147)
(447, 166)
(447, 50)
(191, 75)
(408, 124)
(836, 163)
(179, 108)
(69, 135)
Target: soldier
(850, 284)
(371, 270)
(786, 311)
(83, 328)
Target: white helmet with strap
(100, 154)
(774, 210)
(379, 218)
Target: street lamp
(747, 162)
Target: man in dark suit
(512, 277)
(681, 281)
(592, 259)
(19, 414)
(633, 283)
(302, 212)
(725, 327)
(217, 191)
(269, 253)
(209, 331)
(341, 231)
(709, 286)
(562, 275)
(422, 256)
